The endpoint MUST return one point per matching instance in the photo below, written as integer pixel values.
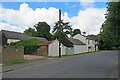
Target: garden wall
(12, 53)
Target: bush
(11, 44)
(30, 45)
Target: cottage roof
(92, 38)
(67, 42)
(76, 41)
(39, 38)
(46, 43)
(19, 36)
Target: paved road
(97, 65)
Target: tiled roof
(92, 38)
(46, 43)
(39, 38)
(76, 41)
(19, 36)
(67, 42)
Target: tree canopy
(42, 30)
(76, 31)
(30, 31)
(56, 35)
(65, 27)
(110, 35)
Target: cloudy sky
(86, 16)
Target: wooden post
(59, 33)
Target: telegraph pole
(59, 33)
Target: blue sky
(69, 7)
(86, 16)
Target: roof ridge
(12, 31)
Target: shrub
(30, 45)
(11, 44)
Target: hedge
(30, 45)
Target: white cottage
(74, 46)
(91, 42)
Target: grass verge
(15, 62)
(71, 55)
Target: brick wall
(42, 51)
(12, 53)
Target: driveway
(32, 57)
(96, 65)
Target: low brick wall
(12, 53)
(42, 51)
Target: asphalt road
(97, 65)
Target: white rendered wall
(63, 49)
(53, 48)
(12, 40)
(80, 49)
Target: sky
(86, 16)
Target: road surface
(97, 65)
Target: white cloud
(88, 20)
(6, 26)
(26, 16)
(87, 3)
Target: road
(97, 65)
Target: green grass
(71, 55)
(85, 53)
(15, 62)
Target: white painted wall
(80, 37)
(53, 48)
(90, 43)
(63, 49)
(69, 50)
(80, 49)
(12, 40)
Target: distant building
(91, 42)
(11, 36)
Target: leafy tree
(110, 35)
(56, 35)
(65, 27)
(30, 31)
(42, 30)
(76, 31)
(30, 45)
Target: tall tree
(76, 31)
(110, 35)
(65, 27)
(56, 35)
(43, 30)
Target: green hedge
(30, 45)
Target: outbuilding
(67, 47)
(49, 48)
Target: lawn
(15, 62)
